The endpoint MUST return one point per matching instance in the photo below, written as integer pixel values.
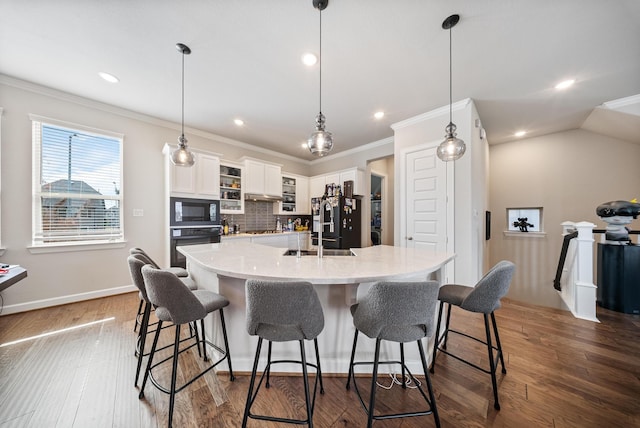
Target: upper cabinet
(262, 178)
(231, 189)
(197, 181)
(317, 183)
(295, 195)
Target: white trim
(459, 105)
(622, 102)
(75, 246)
(64, 96)
(350, 152)
(63, 300)
(513, 233)
(75, 126)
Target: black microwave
(194, 212)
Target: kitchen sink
(325, 252)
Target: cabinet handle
(410, 238)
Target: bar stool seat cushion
(454, 293)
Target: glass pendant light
(452, 148)
(320, 142)
(182, 156)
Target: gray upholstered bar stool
(178, 271)
(136, 261)
(175, 303)
(484, 298)
(397, 312)
(282, 312)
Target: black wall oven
(190, 236)
(194, 212)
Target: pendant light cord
(450, 81)
(182, 95)
(320, 59)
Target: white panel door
(426, 200)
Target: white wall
(61, 277)
(471, 187)
(568, 174)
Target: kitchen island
(338, 280)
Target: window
(77, 176)
(524, 219)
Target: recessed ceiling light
(565, 84)
(378, 114)
(238, 122)
(520, 133)
(309, 59)
(304, 145)
(108, 77)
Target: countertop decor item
(182, 156)
(452, 148)
(320, 142)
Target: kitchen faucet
(323, 224)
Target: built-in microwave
(194, 212)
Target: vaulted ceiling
(376, 55)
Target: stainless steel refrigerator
(347, 222)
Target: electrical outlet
(138, 212)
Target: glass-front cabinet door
(231, 196)
(288, 195)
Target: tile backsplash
(259, 215)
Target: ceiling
(376, 55)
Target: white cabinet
(197, 181)
(207, 172)
(262, 178)
(316, 186)
(295, 195)
(317, 183)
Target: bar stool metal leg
(374, 382)
(353, 353)
(498, 345)
(492, 363)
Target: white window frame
(536, 232)
(114, 240)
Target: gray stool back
(397, 312)
(483, 298)
(175, 303)
(181, 272)
(279, 312)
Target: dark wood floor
(562, 372)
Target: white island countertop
(244, 260)
(339, 280)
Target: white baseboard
(63, 300)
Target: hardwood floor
(562, 372)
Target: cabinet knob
(410, 238)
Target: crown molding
(440, 111)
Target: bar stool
(397, 312)
(484, 298)
(175, 303)
(178, 271)
(136, 262)
(282, 312)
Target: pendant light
(320, 142)
(452, 148)
(182, 156)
